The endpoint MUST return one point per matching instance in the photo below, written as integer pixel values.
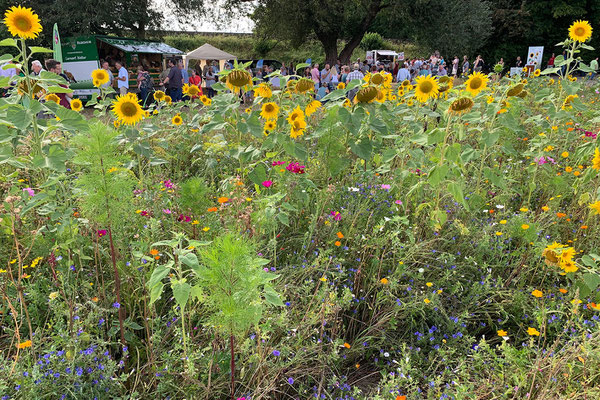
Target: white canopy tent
(208, 52)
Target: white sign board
(534, 56)
(401, 56)
(370, 57)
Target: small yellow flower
(427, 301)
(503, 222)
(537, 293)
(53, 295)
(523, 209)
(195, 222)
(545, 208)
(524, 226)
(533, 332)
(564, 154)
(323, 279)
(498, 233)
(206, 229)
(384, 281)
(429, 284)
(502, 333)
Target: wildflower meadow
(435, 239)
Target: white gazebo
(208, 52)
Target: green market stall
(83, 54)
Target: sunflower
(76, 105)
(22, 22)
(269, 111)
(381, 96)
(304, 85)
(205, 100)
(515, 90)
(193, 91)
(405, 83)
(312, 107)
(177, 120)
(297, 113)
(567, 104)
(596, 160)
(127, 110)
(159, 95)
(237, 79)
(297, 128)
(341, 85)
(263, 90)
(366, 94)
(476, 83)
(116, 123)
(461, 106)
(580, 31)
(168, 99)
(270, 125)
(537, 73)
(426, 87)
(377, 79)
(53, 97)
(100, 77)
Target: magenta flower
(544, 160)
(336, 215)
(295, 168)
(399, 202)
(267, 183)
(102, 232)
(29, 191)
(166, 211)
(168, 184)
(276, 163)
(183, 218)
(386, 187)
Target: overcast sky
(239, 25)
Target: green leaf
(197, 293)
(191, 260)
(158, 274)
(156, 292)
(259, 174)
(592, 281)
(181, 292)
(37, 49)
(272, 297)
(588, 261)
(132, 325)
(362, 148)
(436, 136)
(457, 192)
(8, 42)
(437, 174)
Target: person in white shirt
(36, 68)
(111, 77)
(403, 74)
(122, 78)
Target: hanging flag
(56, 46)
(259, 63)
(309, 61)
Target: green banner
(81, 48)
(56, 46)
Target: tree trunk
(329, 42)
(365, 24)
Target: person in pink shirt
(316, 76)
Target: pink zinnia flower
(101, 232)
(29, 191)
(386, 187)
(166, 211)
(267, 183)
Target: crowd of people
(172, 79)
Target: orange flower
(95, 299)
(400, 397)
(340, 235)
(347, 345)
(212, 209)
(338, 243)
(24, 345)
(563, 291)
(153, 252)
(561, 215)
(223, 200)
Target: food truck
(81, 55)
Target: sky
(239, 25)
